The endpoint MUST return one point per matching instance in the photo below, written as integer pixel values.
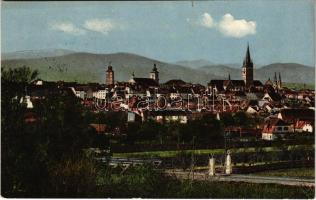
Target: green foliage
(203, 130)
(151, 130)
(114, 119)
(228, 120)
(143, 182)
(74, 178)
(294, 172)
(136, 182)
(184, 158)
(243, 119)
(30, 151)
(18, 75)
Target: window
(279, 128)
(286, 128)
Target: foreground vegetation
(146, 183)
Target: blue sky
(218, 31)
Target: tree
(242, 119)
(205, 130)
(74, 178)
(30, 150)
(151, 130)
(228, 120)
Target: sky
(218, 31)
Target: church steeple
(247, 61)
(247, 68)
(154, 74)
(228, 76)
(280, 81)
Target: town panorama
(82, 118)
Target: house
(226, 85)
(84, 91)
(304, 126)
(167, 116)
(133, 117)
(38, 82)
(100, 93)
(99, 128)
(272, 97)
(27, 100)
(291, 115)
(275, 128)
(253, 109)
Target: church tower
(279, 81)
(109, 79)
(154, 74)
(247, 69)
(275, 81)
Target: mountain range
(68, 65)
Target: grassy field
(142, 183)
(164, 154)
(296, 172)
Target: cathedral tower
(154, 74)
(109, 76)
(275, 81)
(279, 81)
(247, 69)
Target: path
(244, 178)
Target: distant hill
(197, 64)
(88, 67)
(290, 72)
(222, 70)
(194, 64)
(28, 54)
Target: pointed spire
(133, 75)
(280, 81)
(247, 60)
(280, 77)
(275, 77)
(228, 76)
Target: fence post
(211, 165)
(228, 163)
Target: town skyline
(163, 99)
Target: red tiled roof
(270, 125)
(100, 128)
(297, 113)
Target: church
(247, 84)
